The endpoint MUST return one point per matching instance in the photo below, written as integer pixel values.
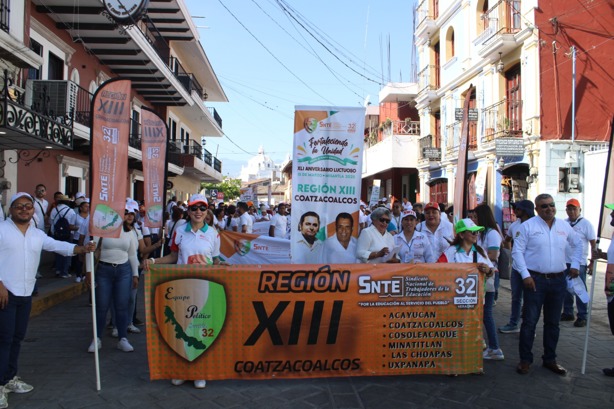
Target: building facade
(55, 54)
(508, 58)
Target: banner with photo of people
(326, 182)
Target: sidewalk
(55, 361)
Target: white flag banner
(326, 181)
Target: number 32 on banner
(467, 287)
(208, 332)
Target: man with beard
(20, 246)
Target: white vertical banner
(375, 189)
(326, 181)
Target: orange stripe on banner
(302, 321)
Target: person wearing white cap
(116, 275)
(20, 246)
(193, 242)
(414, 245)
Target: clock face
(126, 11)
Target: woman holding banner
(194, 242)
(375, 244)
(117, 274)
(464, 249)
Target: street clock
(126, 12)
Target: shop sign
(472, 114)
(431, 153)
(509, 146)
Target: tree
(230, 187)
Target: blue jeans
(13, 325)
(62, 264)
(549, 294)
(568, 303)
(489, 320)
(517, 290)
(113, 284)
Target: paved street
(55, 361)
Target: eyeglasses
(202, 208)
(23, 206)
(547, 205)
(382, 220)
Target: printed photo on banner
(326, 169)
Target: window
(35, 73)
(172, 127)
(450, 44)
(55, 71)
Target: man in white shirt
(40, 206)
(586, 231)
(341, 247)
(279, 223)
(438, 230)
(62, 264)
(394, 227)
(246, 222)
(308, 249)
(20, 246)
(407, 204)
(538, 255)
(523, 210)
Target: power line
(273, 55)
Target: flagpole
(594, 272)
(90, 261)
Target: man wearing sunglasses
(539, 256)
(21, 244)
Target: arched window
(450, 44)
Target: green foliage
(230, 187)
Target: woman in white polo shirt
(464, 249)
(193, 242)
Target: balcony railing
(154, 37)
(217, 165)
(428, 78)
(194, 148)
(134, 139)
(502, 119)
(427, 10)
(208, 158)
(401, 128)
(5, 14)
(502, 18)
(215, 116)
(64, 100)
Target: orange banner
(153, 146)
(109, 159)
(301, 321)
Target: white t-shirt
(246, 220)
(371, 240)
(280, 223)
(585, 230)
(438, 241)
(40, 209)
(305, 253)
(62, 210)
(335, 253)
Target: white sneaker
(77, 279)
(94, 344)
(114, 333)
(124, 345)
(177, 382)
(4, 402)
(493, 354)
(200, 384)
(133, 329)
(16, 385)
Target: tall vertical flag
(153, 146)
(605, 230)
(460, 192)
(109, 135)
(326, 181)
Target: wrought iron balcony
(502, 119)
(5, 14)
(25, 128)
(216, 116)
(186, 79)
(428, 78)
(217, 165)
(502, 18)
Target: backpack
(61, 227)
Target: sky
(268, 62)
